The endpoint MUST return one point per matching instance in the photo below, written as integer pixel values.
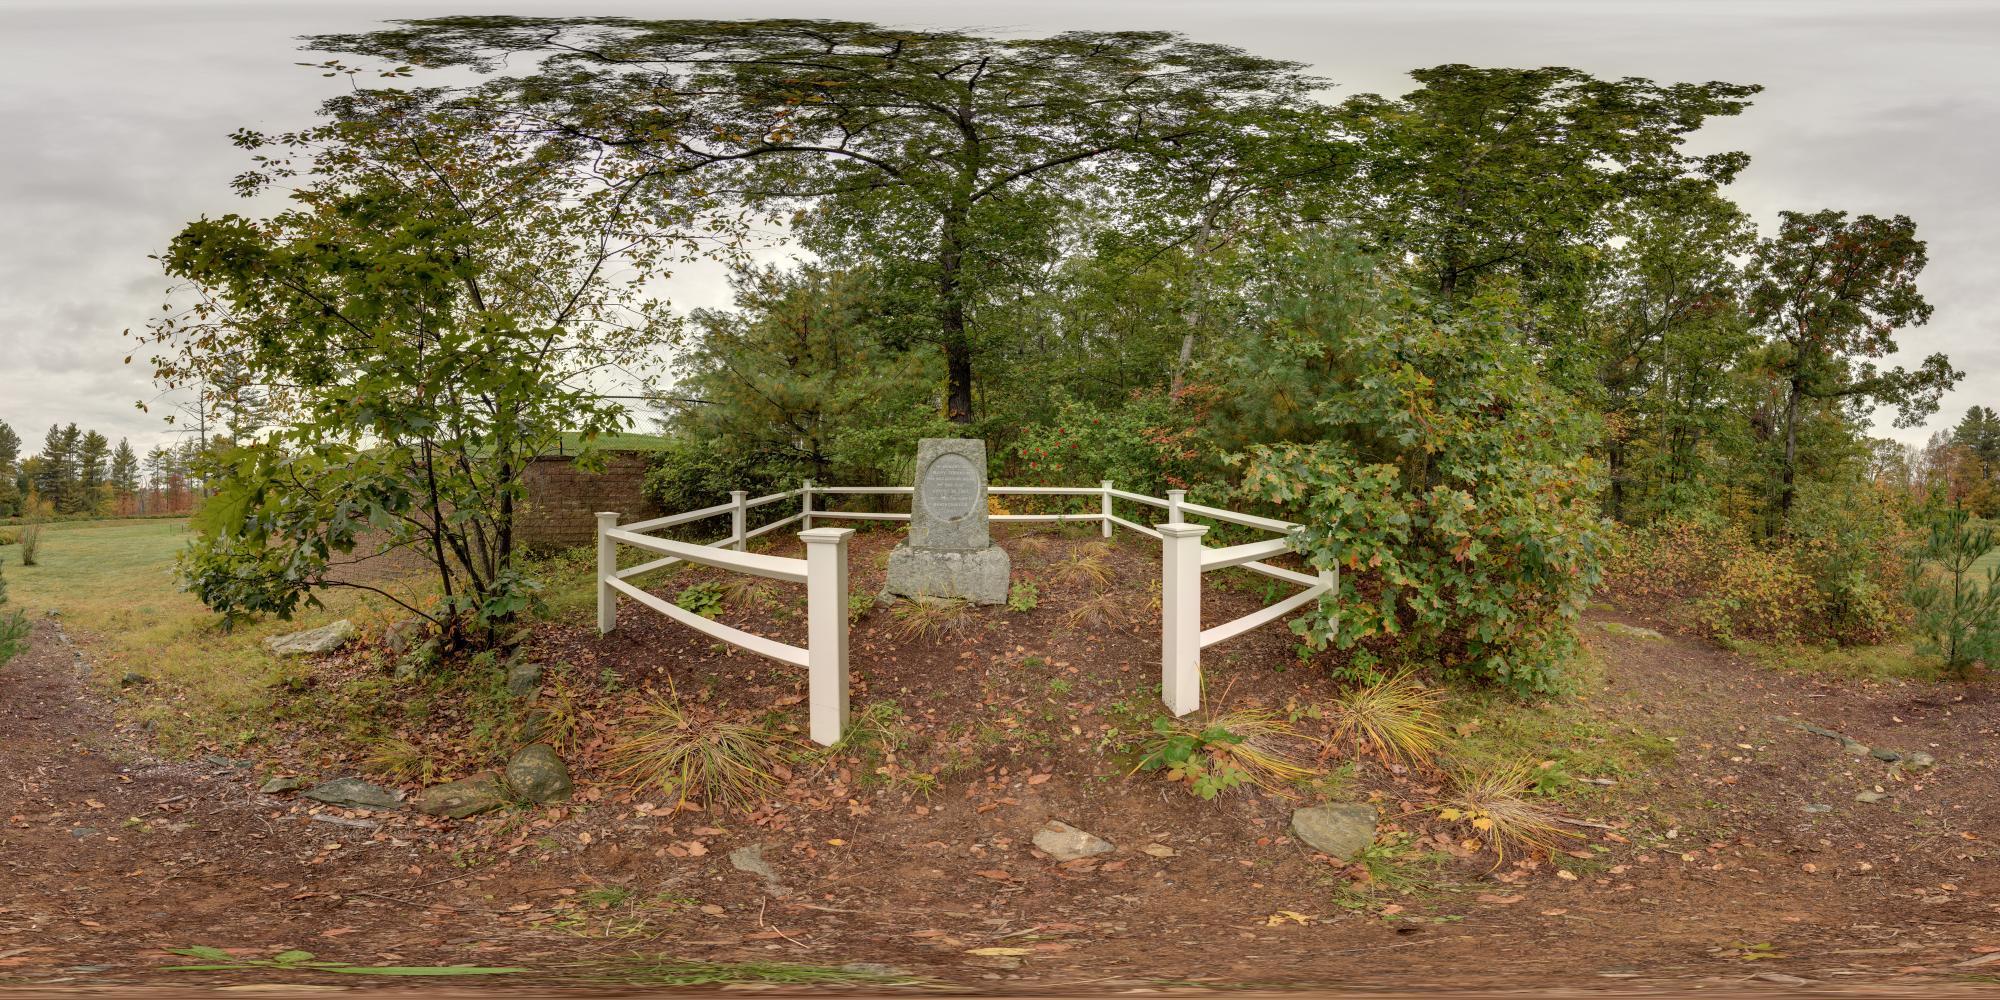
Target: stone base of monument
(980, 576)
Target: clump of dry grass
(1089, 565)
(930, 617)
(1227, 749)
(400, 760)
(1493, 805)
(1094, 612)
(1396, 717)
(694, 758)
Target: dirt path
(1752, 863)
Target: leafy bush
(1423, 452)
(689, 475)
(1758, 594)
(1149, 445)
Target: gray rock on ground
(483, 792)
(324, 639)
(749, 859)
(538, 774)
(354, 793)
(1339, 829)
(524, 678)
(281, 785)
(1064, 842)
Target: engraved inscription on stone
(950, 487)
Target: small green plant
(218, 960)
(694, 757)
(1957, 618)
(704, 599)
(1023, 596)
(13, 627)
(1232, 749)
(859, 604)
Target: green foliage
(1031, 128)
(432, 306)
(1149, 444)
(1187, 754)
(1831, 293)
(1428, 459)
(1957, 616)
(1023, 596)
(14, 626)
(704, 599)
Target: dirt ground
(1747, 862)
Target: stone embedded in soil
(1856, 747)
(537, 774)
(279, 786)
(524, 677)
(749, 859)
(1885, 756)
(324, 639)
(1918, 759)
(353, 793)
(1870, 796)
(1339, 829)
(1819, 807)
(1064, 842)
(132, 680)
(483, 792)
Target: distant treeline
(81, 473)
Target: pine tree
(93, 486)
(124, 474)
(10, 456)
(55, 477)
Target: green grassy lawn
(112, 583)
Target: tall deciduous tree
(1830, 292)
(436, 302)
(944, 157)
(1484, 172)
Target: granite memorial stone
(950, 552)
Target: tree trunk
(1790, 469)
(957, 342)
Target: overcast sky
(115, 116)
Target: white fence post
(806, 505)
(607, 568)
(1174, 500)
(738, 519)
(826, 631)
(1106, 486)
(1180, 616)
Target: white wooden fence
(824, 572)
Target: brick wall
(563, 501)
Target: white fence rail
(824, 571)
